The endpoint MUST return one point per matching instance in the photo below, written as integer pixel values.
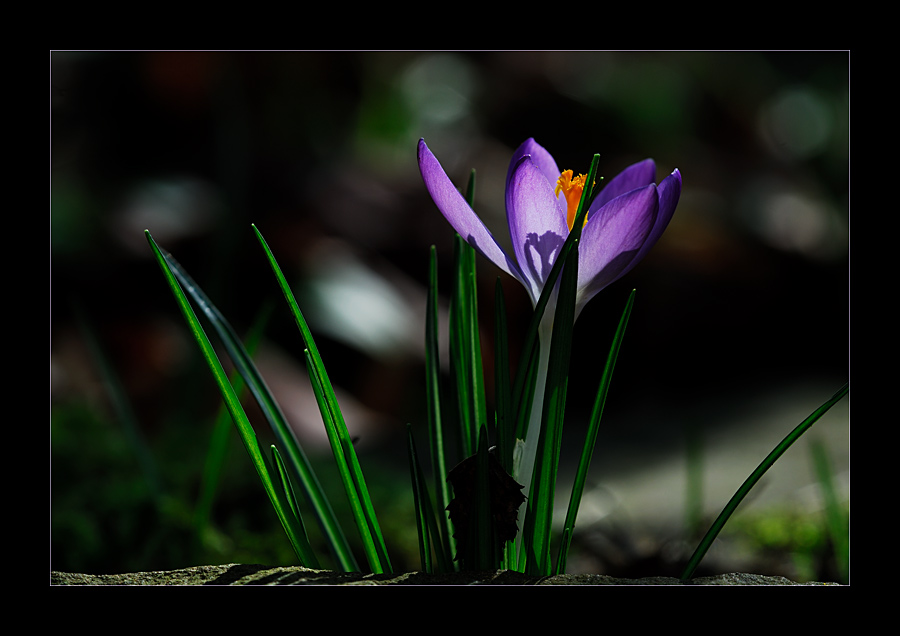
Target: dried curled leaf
(505, 499)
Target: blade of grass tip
(470, 190)
(285, 480)
(836, 519)
(590, 440)
(336, 428)
(248, 435)
(435, 402)
(298, 462)
(730, 507)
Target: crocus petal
(541, 158)
(625, 220)
(669, 192)
(610, 241)
(631, 178)
(537, 223)
(460, 216)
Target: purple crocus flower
(624, 221)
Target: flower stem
(526, 460)
(526, 450)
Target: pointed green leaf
(426, 522)
(336, 428)
(539, 517)
(298, 462)
(590, 441)
(248, 436)
(754, 477)
(435, 404)
(504, 424)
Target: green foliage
(742, 492)
(485, 496)
(587, 449)
(338, 436)
(276, 494)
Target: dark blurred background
(740, 327)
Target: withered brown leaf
(505, 499)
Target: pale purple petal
(611, 240)
(669, 191)
(669, 194)
(625, 220)
(537, 223)
(460, 216)
(631, 178)
(541, 158)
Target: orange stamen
(572, 188)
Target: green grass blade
(523, 394)
(524, 385)
(470, 190)
(732, 505)
(459, 384)
(476, 368)
(419, 495)
(430, 534)
(248, 436)
(465, 342)
(590, 441)
(435, 404)
(289, 494)
(338, 436)
(350, 473)
(218, 444)
(299, 464)
(539, 516)
(288, 490)
(461, 349)
(506, 434)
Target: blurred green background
(740, 328)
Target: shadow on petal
(540, 254)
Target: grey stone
(236, 574)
